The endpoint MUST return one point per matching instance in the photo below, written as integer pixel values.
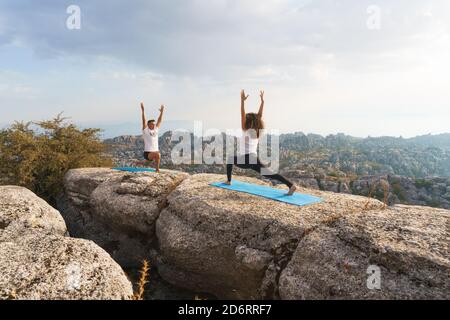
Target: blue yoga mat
(297, 199)
(130, 169)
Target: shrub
(398, 191)
(434, 202)
(422, 183)
(38, 155)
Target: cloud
(314, 57)
(199, 38)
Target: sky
(364, 68)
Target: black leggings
(250, 161)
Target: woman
(252, 124)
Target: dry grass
(385, 186)
(143, 280)
(12, 295)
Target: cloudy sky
(378, 67)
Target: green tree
(38, 155)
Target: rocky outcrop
(21, 210)
(303, 179)
(232, 244)
(432, 191)
(406, 246)
(117, 210)
(38, 261)
(236, 245)
(425, 192)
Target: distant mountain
(341, 140)
(439, 141)
(133, 128)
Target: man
(150, 134)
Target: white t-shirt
(150, 140)
(248, 144)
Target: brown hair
(254, 122)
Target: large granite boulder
(37, 260)
(117, 210)
(235, 245)
(43, 267)
(21, 210)
(406, 247)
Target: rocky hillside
(418, 157)
(432, 192)
(417, 170)
(235, 245)
(39, 261)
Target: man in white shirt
(150, 135)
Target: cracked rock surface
(37, 260)
(117, 210)
(408, 244)
(232, 244)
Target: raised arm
(161, 112)
(261, 108)
(243, 98)
(144, 121)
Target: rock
(80, 183)
(37, 261)
(21, 210)
(46, 267)
(252, 258)
(328, 185)
(117, 210)
(232, 244)
(408, 244)
(239, 246)
(309, 183)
